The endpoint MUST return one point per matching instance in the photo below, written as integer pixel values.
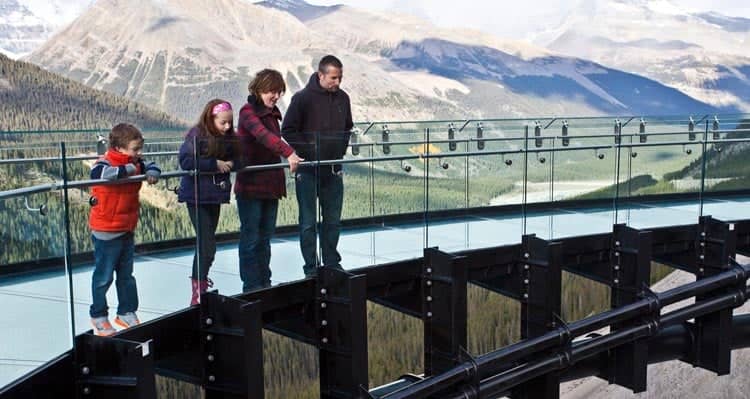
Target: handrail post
(231, 347)
(113, 367)
(541, 276)
(444, 310)
(631, 272)
(341, 325)
(717, 243)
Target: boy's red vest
(117, 205)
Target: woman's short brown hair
(265, 81)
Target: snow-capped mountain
(178, 54)
(702, 54)
(26, 24)
(300, 9)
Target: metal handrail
(173, 174)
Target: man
(317, 125)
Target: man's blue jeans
(328, 187)
(257, 224)
(113, 256)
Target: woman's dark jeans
(257, 224)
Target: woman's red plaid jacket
(260, 143)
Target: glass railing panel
(483, 170)
(654, 155)
(447, 172)
(496, 167)
(358, 173)
(539, 172)
(263, 211)
(398, 184)
(38, 144)
(447, 187)
(204, 193)
(583, 172)
(726, 168)
(36, 323)
(130, 259)
(660, 152)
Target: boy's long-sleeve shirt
(115, 207)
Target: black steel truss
(219, 344)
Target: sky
(514, 19)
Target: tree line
(34, 99)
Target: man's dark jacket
(318, 123)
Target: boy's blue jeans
(328, 187)
(113, 256)
(257, 224)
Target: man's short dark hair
(327, 61)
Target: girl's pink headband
(221, 107)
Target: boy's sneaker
(127, 320)
(102, 327)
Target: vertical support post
(618, 132)
(538, 142)
(444, 310)
(342, 330)
(480, 135)
(541, 276)
(385, 138)
(565, 138)
(716, 245)
(631, 271)
(232, 347)
(114, 368)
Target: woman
(258, 192)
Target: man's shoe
(127, 320)
(310, 271)
(102, 326)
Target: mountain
(173, 55)
(300, 9)
(491, 75)
(34, 99)
(605, 89)
(701, 54)
(26, 24)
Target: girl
(258, 192)
(212, 135)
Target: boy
(113, 217)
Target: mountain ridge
(27, 24)
(176, 59)
(701, 54)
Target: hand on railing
(294, 161)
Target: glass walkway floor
(35, 323)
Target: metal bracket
(232, 346)
(113, 368)
(444, 309)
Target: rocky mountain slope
(176, 55)
(701, 54)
